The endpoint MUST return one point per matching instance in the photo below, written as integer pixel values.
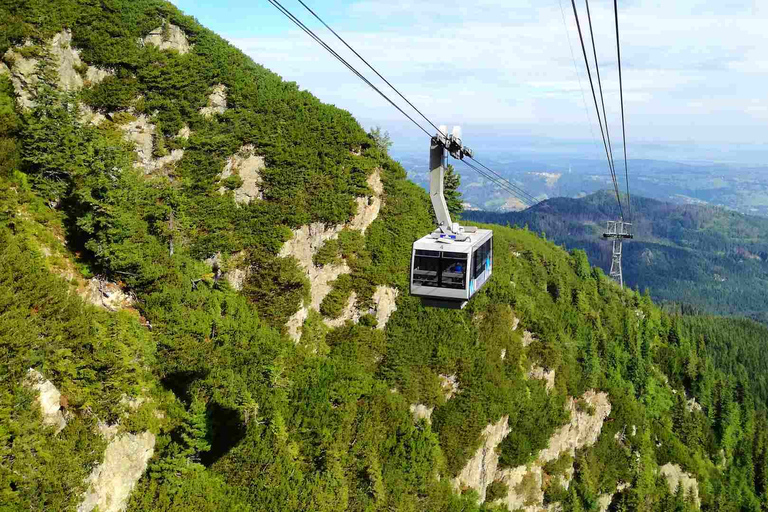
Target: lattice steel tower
(618, 231)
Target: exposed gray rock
(450, 385)
(141, 132)
(68, 59)
(107, 295)
(693, 406)
(94, 75)
(217, 101)
(537, 372)
(184, 132)
(676, 476)
(234, 270)
(296, 323)
(90, 116)
(24, 76)
(307, 240)
(111, 482)
(247, 165)
(385, 299)
(421, 411)
(49, 400)
(528, 338)
(604, 501)
(368, 208)
(582, 430)
(169, 37)
(480, 470)
(350, 312)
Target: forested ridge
(242, 415)
(702, 256)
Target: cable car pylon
(617, 231)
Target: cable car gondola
(451, 264)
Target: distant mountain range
(739, 187)
(698, 255)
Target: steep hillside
(713, 259)
(203, 306)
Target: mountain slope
(704, 256)
(265, 353)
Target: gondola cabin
(446, 272)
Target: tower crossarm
(617, 229)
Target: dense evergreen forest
(702, 256)
(242, 415)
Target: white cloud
(688, 65)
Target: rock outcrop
(111, 482)
(66, 59)
(107, 295)
(422, 412)
(305, 243)
(217, 101)
(481, 469)
(142, 133)
(528, 338)
(449, 385)
(247, 165)
(677, 477)
(583, 429)
(350, 312)
(49, 400)
(537, 372)
(368, 208)
(385, 300)
(169, 37)
(525, 483)
(24, 75)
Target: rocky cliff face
(677, 477)
(247, 166)
(49, 400)
(168, 37)
(483, 468)
(111, 482)
(307, 241)
(24, 70)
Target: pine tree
(451, 184)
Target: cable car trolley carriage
(451, 264)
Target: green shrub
(496, 490)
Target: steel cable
(621, 92)
(597, 108)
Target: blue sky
(695, 72)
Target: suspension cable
(600, 88)
(520, 191)
(578, 76)
(372, 68)
(621, 92)
(501, 181)
(309, 32)
(597, 109)
(501, 184)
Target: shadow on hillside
(225, 426)
(226, 429)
